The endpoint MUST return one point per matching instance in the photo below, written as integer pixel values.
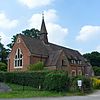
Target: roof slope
(35, 46)
(38, 47)
(53, 57)
(70, 53)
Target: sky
(71, 23)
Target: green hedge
(86, 84)
(56, 81)
(3, 66)
(37, 66)
(34, 79)
(47, 80)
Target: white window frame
(18, 59)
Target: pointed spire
(43, 27)
(43, 31)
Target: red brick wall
(26, 56)
(35, 59)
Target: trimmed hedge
(56, 81)
(47, 80)
(3, 66)
(34, 79)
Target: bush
(86, 84)
(37, 66)
(34, 79)
(96, 70)
(56, 81)
(96, 83)
(3, 67)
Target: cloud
(88, 32)
(56, 32)
(4, 39)
(35, 3)
(6, 23)
(98, 48)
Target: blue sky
(71, 23)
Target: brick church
(28, 50)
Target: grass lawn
(28, 92)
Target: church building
(27, 50)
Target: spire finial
(42, 15)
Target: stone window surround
(18, 59)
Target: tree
(93, 57)
(34, 33)
(3, 53)
(10, 45)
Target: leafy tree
(93, 57)
(10, 45)
(3, 53)
(34, 33)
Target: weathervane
(43, 15)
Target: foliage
(93, 57)
(34, 79)
(86, 84)
(3, 53)
(3, 67)
(96, 70)
(29, 92)
(10, 45)
(37, 66)
(56, 81)
(96, 83)
(32, 33)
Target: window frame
(18, 61)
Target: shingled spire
(43, 31)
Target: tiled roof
(38, 47)
(35, 46)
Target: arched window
(73, 73)
(18, 60)
(79, 72)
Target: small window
(73, 73)
(18, 40)
(79, 72)
(79, 62)
(18, 60)
(63, 62)
(73, 61)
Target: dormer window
(73, 61)
(79, 62)
(18, 60)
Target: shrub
(96, 70)
(2, 76)
(34, 79)
(3, 67)
(86, 84)
(96, 83)
(37, 66)
(56, 81)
